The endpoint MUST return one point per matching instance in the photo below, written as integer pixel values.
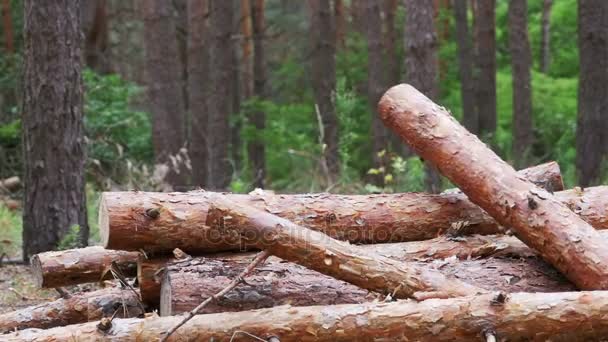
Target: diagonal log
(560, 236)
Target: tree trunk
(7, 27)
(78, 266)
(563, 316)
(545, 37)
(219, 98)
(421, 67)
(390, 43)
(78, 308)
(197, 89)
(592, 124)
(324, 82)
(256, 149)
(54, 150)
(465, 67)
(95, 27)
(317, 251)
(561, 237)
(340, 15)
(485, 32)
(279, 283)
(521, 63)
(164, 87)
(376, 84)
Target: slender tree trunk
(592, 125)
(197, 88)
(521, 63)
(54, 150)
(545, 37)
(421, 69)
(219, 99)
(340, 15)
(465, 67)
(486, 66)
(95, 27)
(163, 72)
(324, 81)
(7, 27)
(257, 153)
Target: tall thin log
(321, 253)
(560, 236)
(565, 316)
(83, 265)
(80, 308)
(158, 222)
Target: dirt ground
(17, 289)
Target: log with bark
(317, 251)
(562, 316)
(159, 222)
(78, 308)
(10, 184)
(561, 237)
(276, 282)
(82, 265)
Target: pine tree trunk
(521, 63)
(256, 149)
(465, 67)
(95, 27)
(197, 89)
(219, 99)
(545, 37)
(54, 150)
(390, 43)
(421, 69)
(592, 124)
(7, 27)
(164, 86)
(340, 15)
(485, 32)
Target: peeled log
(82, 265)
(560, 236)
(159, 222)
(79, 308)
(277, 283)
(563, 316)
(319, 252)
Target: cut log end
(36, 267)
(104, 221)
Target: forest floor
(17, 289)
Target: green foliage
(70, 239)
(10, 231)
(10, 133)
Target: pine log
(79, 308)
(10, 184)
(82, 265)
(319, 252)
(149, 279)
(560, 236)
(159, 222)
(562, 316)
(184, 284)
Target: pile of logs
(502, 258)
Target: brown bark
(278, 283)
(545, 37)
(465, 67)
(563, 316)
(79, 308)
(159, 222)
(561, 237)
(390, 44)
(7, 27)
(521, 63)
(148, 278)
(592, 124)
(83, 265)
(421, 69)
(340, 15)
(54, 148)
(485, 60)
(197, 80)
(95, 27)
(256, 147)
(321, 253)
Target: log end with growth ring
(36, 267)
(104, 221)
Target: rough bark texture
(421, 67)
(197, 88)
(164, 87)
(78, 266)
(545, 37)
(592, 124)
(563, 316)
(324, 80)
(465, 67)
(256, 148)
(321, 253)
(79, 308)
(485, 56)
(521, 63)
(219, 99)
(160, 222)
(54, 151)
(561, 237)
(148, 278)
